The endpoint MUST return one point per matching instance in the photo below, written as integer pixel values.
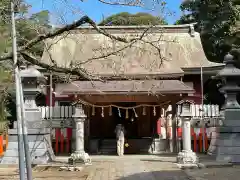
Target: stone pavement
(132, 167)
(137, 167)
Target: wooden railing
(57, 112)
(197, 110)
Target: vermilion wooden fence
(61, 124)
(201, 137)
(197, 139)
(62, 140)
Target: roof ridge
(187, 26)
(143, 26)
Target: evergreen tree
(127, 19)
(218, 22)
(27, 27)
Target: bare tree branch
(74, 25)
(42, 37)
(74, 71)
(122, 2)
(117, 38)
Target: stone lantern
(38, 129)
(31, 80)
(186, 158)
(229, 133)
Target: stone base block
(187, 166)
(228, 158)
(159, 146)
(228, 147)
(187, 159)
(45, 159)
(40, 148)
(80, 157)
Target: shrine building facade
(145, 80)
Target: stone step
(108, 148)
(108, 145)
(108, 142)
(107, 153)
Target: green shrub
(5, 85)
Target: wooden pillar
(87, 110)
(174, 127)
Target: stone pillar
(228, 139)
(186, 158)
(79, 156)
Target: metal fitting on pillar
(79, 156)
(186, 158)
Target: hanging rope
(144, 111)
(119, 113)
(110, 111)
(93, 111)
(154, 111)
(121, 107)
(102, 114)
(135, 113)
(127, 114)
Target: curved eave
(167, 92)
(146, 87)
(127, 76)
(213, 70)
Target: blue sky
(66, 11)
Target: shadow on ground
(157, 175)
(99, 174)
(157, 160)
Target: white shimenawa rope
(121, 107)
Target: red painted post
(179, 138)
(57, 135)
(1, 145)
(69, 137)
(62, 141)
(194, 142)
(200, 142)
(192, 131)
(6, 141)
(206, 141)
(179, 132)
(159, 122)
